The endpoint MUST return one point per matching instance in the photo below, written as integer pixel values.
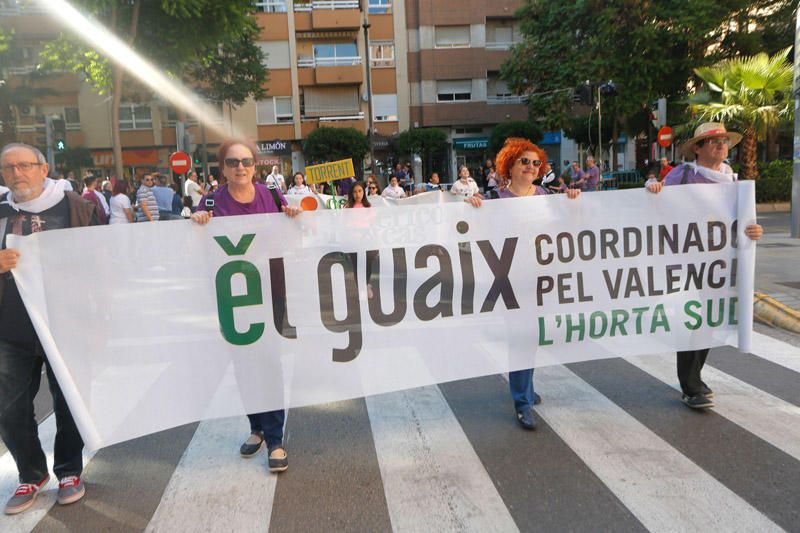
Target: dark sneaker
(536, 399)
(278, 459)
(526, 419)
(698, 401)
(705, 391)
(24, 496)
(252, 445)
(70, 490)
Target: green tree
(332, 144)
(74, 158)
(752, 94)
(204, 28)
(649, 49)
(514, 128)
(426, 142)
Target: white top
(393, 192)
(103, 202)
(192, 190)
(186, 212)
(302, 189)
(119, 203)
(275, 180)
(459, 188)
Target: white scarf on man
(52, 193)
(724, 175)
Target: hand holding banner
(260, 312)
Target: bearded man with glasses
(33, 204)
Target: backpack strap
(276, 198)
(684, 175)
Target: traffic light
(59, 134)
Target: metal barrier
(613, 180)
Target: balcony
(329, 70)
(346, 120)
(500, 45)
(327, 15)
(506, 99)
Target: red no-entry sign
(665, 136)
(179, 162)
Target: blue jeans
(271, 424)
(521, 384)
(20, 377)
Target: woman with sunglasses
(241, 196)
(519, 163)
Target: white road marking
(778, 352)
(213, 488)
(432, 476)
(9, 480)
(760, 413)
(664, 489)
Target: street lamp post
(369, 91)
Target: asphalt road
(615, 450)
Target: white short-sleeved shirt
(470, 188)
(119, 203)
(393, 192)
(192, 190)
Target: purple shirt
(594, 178)
(506, 192)
(675, 176)
(225, 205)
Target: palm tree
(752, 94)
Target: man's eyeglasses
(719, 141)
(24, 167)
(247, 162)
(525, 162)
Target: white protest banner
(150, 326)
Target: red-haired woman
(240, 196)
(519, 164)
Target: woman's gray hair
(40, 158)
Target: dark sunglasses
(234, 163)
(525, 162)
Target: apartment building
(318, 60)
(454, 59)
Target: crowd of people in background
(156, 197)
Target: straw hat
(706, 130)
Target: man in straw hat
(709, 149)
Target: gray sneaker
(70, 490)
(24, 496)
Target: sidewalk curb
(774, 207)
(768, 310)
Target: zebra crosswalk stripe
(659, 485)
(430, 472)
(760, 413)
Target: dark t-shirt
(15, 324)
